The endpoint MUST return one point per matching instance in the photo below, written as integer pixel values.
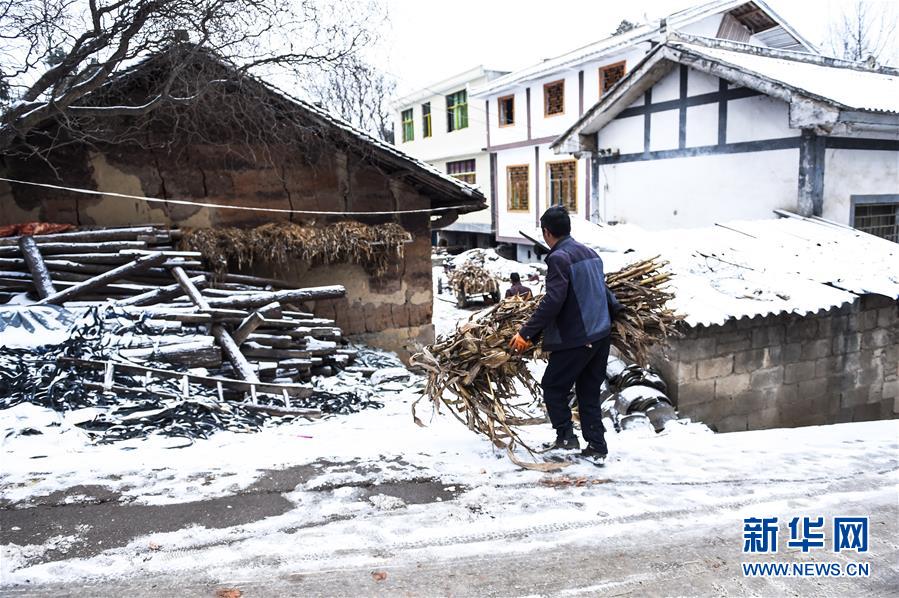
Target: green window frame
(426, 130)
(457, 111)
(408, 125)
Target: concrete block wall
(789, 370)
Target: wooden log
(56, 248)
(281, 323)
(298, 315)
(324, 333)
(254, 280)
(200, 353)
(189, 288)
(172, 253)
(162, 313)
(293, 363)
(161, 294)
(255, 320)
(294, 390)
(102, 279)
(163, 326)
(87, 236)
(232, 351)
(278, 341)
(237, 359)
(308, 294)
(257, 350)
(246, 327)
(36, 266)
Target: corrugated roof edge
(747, 320)
(464, 191)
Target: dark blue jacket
(577, 308)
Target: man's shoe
(595, 455)
(563, 442)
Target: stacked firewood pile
(165, 315)
(492, 391)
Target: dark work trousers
(584, 367)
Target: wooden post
(232, 351)
(38, 268)
(100, 280)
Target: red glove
(520, 344)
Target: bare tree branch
(357, 92)
(864, 31)
(55, 54)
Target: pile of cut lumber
(252, 334)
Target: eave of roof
(756, 268)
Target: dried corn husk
(474, 374)
(471, 279)
(375, 248)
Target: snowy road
(664, 517)
(371, 504)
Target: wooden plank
(294, 390)
(102, 279)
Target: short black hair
(514, 277)
(555, 219)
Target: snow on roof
(744, 269)
(615, 43)
(848, 84)
(786, 74)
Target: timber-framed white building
(703, 130)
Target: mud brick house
(788, 322)
(242, 143)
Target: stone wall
(392, 306)
(788, 370)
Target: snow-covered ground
(434, 509)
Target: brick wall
(788, 370)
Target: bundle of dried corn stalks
(472, 279)
(375, 248)
(474, 374)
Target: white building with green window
(438, 125)
(528, 109)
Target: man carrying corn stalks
(575, 320)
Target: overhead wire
(204, 204)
